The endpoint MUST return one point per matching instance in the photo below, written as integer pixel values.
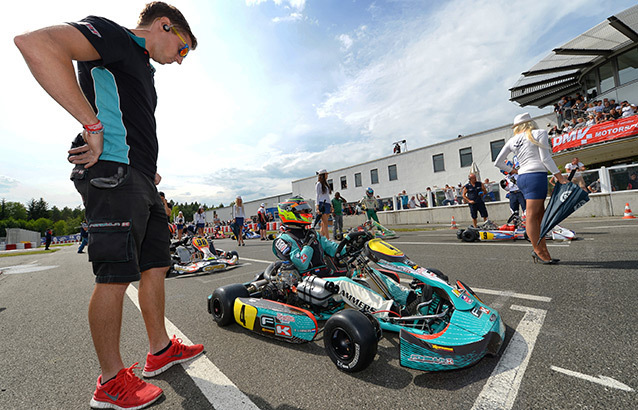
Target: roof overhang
(563, 69)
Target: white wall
(415, 168)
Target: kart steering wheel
(348, 238)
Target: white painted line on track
(509, 243)
(218, 389)
(257, 260)
(607, 227)
(502, 386)
(512, 294)
(604, 380)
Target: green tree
(55, 214)
(15, 210)
(37, 209)
(60, 228)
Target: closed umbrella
(565, 200)
(474, 170)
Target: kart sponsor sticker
(445, 361)
(282, 246)
(485, 310)
(283, 331)
(467, 299)
(437, 347)
(282, 318)
(267, 322)
(477, 312)
(456, 292)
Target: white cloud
(346, 42)
(288, 18)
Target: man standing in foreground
(128, 225)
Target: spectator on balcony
(633, 181)
(423, 203)
(590, 120)
(458, 193)
(404, 200)
(614, 114)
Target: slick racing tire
(222, 303)
(469, 235)
(459, 233)
(350, 339)
(230, 254)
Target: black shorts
(128, 226)
(477, 207)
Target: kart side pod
(275, 319)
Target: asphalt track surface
(571, 339)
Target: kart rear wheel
(350, 339)
(230, 254)
(222, 303)
(469, 235)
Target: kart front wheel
(222, 302)
(350, 339)
(469, 235)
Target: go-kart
(440, 326)
(379, 230)
(198, 255)
(513, 229)
(247, 233)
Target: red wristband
(93, 128)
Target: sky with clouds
(278, 89)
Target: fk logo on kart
(283, 331)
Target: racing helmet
(370, 191)
(295, 212)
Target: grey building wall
(250, 207)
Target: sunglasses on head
(183, 52)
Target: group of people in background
(577, 112)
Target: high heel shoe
(537, 259)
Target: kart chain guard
(274, 319)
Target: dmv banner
(607, 131)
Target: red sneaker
(177, 353)
(125, 392)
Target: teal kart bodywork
(440, 326)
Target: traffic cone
(454, 224)
(628, 214)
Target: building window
(357, 179)
(439, 162)
(332, 188)
(606, 75)
(344, 183)
(591, 84)
(392, 172)
(466, 156)
(374, 176)
(628, 66)
(495, 147)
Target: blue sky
(278, 89)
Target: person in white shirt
(200, 221)
(578, 177)
(324, 204)
(531, 147)
(449, 195)
(179, 221)
(238, 219)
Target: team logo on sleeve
(92, 29)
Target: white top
(569, 166)
(200, 218)
(321, 196)
(238, 212)
(531, 157)
(179, 220)
(449, 194)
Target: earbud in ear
(167, 27)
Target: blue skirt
(533, 185)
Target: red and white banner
(607, 131)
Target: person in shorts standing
(114, 100)
(261, 215)
(179, 222)
(473, 193)
(200, 221)
(238, 220)
(323, 201)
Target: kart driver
(305, 249)
(302, 246)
